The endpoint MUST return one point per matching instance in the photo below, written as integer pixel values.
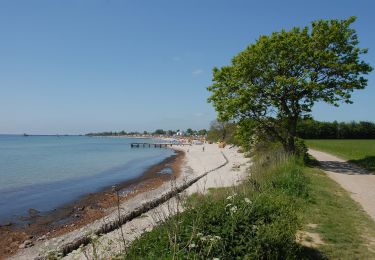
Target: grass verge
(347, 232)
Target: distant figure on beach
(203, 148)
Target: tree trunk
(291, 132)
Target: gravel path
(357, 181)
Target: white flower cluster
(248, 201)
(233, 209)
(192, 245)
(232, 196)
(208, 238)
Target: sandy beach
(209, 167)
(86, 209)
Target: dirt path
(357, 181)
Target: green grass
(360, 152)
(346, 230)
(256, 220)
(260, 219)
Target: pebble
(26, 244)
(41, 238)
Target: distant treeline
(311, 129)
(110, 133)
(188, 132)
(307, 129)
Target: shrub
(256, 220)
(226, 228)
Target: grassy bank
(361, 152)
(285, 210)
(346, 231)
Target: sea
(46, 172)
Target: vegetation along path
(358, 181)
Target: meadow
(358, 151)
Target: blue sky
(69, 66)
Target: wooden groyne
(155, 145)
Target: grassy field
(360, 152)
(287, 210)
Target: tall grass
(256, 220)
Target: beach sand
(196, 163)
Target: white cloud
(197, 72)
(198, 114)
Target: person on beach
(203, 148)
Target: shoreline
(200, 170)
(88, 208)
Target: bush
(225, 228)
(257, 220)
(301, 148)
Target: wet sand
(85, 210)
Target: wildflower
(228, 205)
(217, 237)
(248, 201)
(192, 245)
(229, 197)
(203, 238)
(233, 209)
(199, 234)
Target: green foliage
(159, 132)
(110, 133)
(311, 129)
(245, 134)
(202, 132)
(276, 80)
(222, 131)
(171, 132)
(257, 220)
(189, 131)
(301, 148)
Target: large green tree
(277, 80)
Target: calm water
(45, 172)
